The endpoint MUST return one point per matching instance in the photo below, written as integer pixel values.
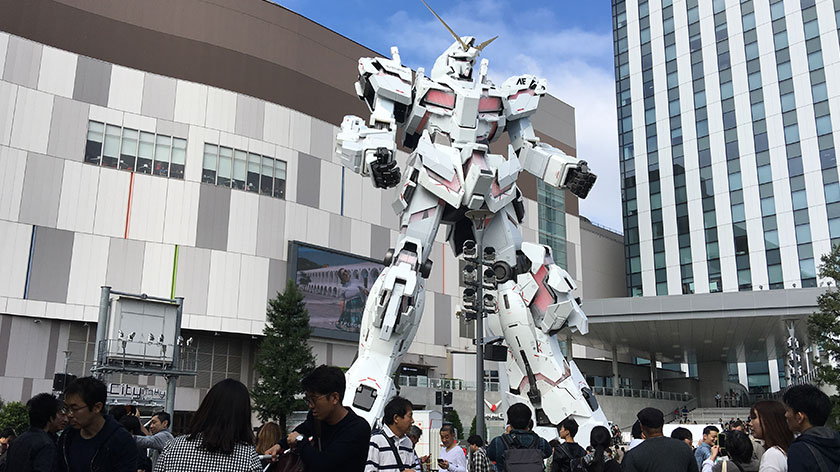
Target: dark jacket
(116, 453)
(822, 440)
(33, 451)
(564, 455)
(342, 446)
(496, 449)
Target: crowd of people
(77, 434)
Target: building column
(653, 378)
(615, 367)
(569, 356)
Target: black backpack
(519, 458)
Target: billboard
(335, 286)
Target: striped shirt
(381, 456)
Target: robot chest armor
(465, 115)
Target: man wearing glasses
(333, 437)
(93, 442)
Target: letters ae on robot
(449, 120)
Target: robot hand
(385, 171)
(569, 172)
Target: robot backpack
(519, 458)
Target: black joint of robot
(389, 257)
(503, 271)
(469, 248)
(489, 255)
(523, 264)
(580, 180)
(578, 301)
(426, 269)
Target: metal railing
(136, 356)
(456, 384)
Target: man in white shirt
(452, 456)
(390, 448)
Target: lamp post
(478, 304)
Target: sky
(567, 42)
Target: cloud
(577, 64)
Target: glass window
(806, 268)
(668, 25)
(784, 71)
(834, 228)
(735, 181)
(726, 90)
(225, 167)
(771, 239)
(800, 199)
(788, 102)
(757, 111)
(128, 151)
(803, 233)
(749, 21)
(163, 151)
(267, 176)
(279, 179)
(791, 134)
(210, 165)
(643, 10)
(823, 125)
(780, 39)
(145, 152)
(738, 213)
(111, 150)
(815, 60)
(700, 99)
(754, 80)
(767, 206)
(670, 52)
(693, 15)
(819, 92)
(240, 169)
(812, 29)
(95, 137)
(644, 35)
(712, 250)
(777, 10)
(253, 182)
(751, 50)
(179, 157)
(832, 194)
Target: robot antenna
(486, 43)
(463, 44)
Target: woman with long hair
(767, 420)
(267, 436)
(220, 437)
(598, 460)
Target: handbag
(289, 462)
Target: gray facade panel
(193, 279)
(41, 190)
(380, 240)
(390, 218)
(271, 221)
(5, 336)
(158, 97)
(26, 393)
(52, 349)
(68, 129)
(277, 274)
(571, 259)
(339, 232)
(442, 314)
(125, 265)
(23, 62)
(250, 116)
(50, 273)
(309, 180)
(93, 81)
(321, 140)
(213, 217)
(171, 128)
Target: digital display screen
(335, 287)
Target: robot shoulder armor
(518, 83)
(386, 78)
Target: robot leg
(393, 309)
(532, 309)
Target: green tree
(472, 427)
(14, 415)
(284, 356)
(453, 418)
(824, 327)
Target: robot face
(457, 62)
(462, 66)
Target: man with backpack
(569, 450)
(817, 448)
(520, 450)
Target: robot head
(458, 60)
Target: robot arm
(368, 149)
(552, 165)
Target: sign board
(126, 394)
(148, 326)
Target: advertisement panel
(335, 285)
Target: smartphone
(721, 439)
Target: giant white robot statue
(448, 121)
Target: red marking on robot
(545, 379)
(372, 380)
(450, 185)
(496, 191)
(422, 123)
(543, 297)
(492, 131)
(489, 104)
(440, 98)
(526, 92)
